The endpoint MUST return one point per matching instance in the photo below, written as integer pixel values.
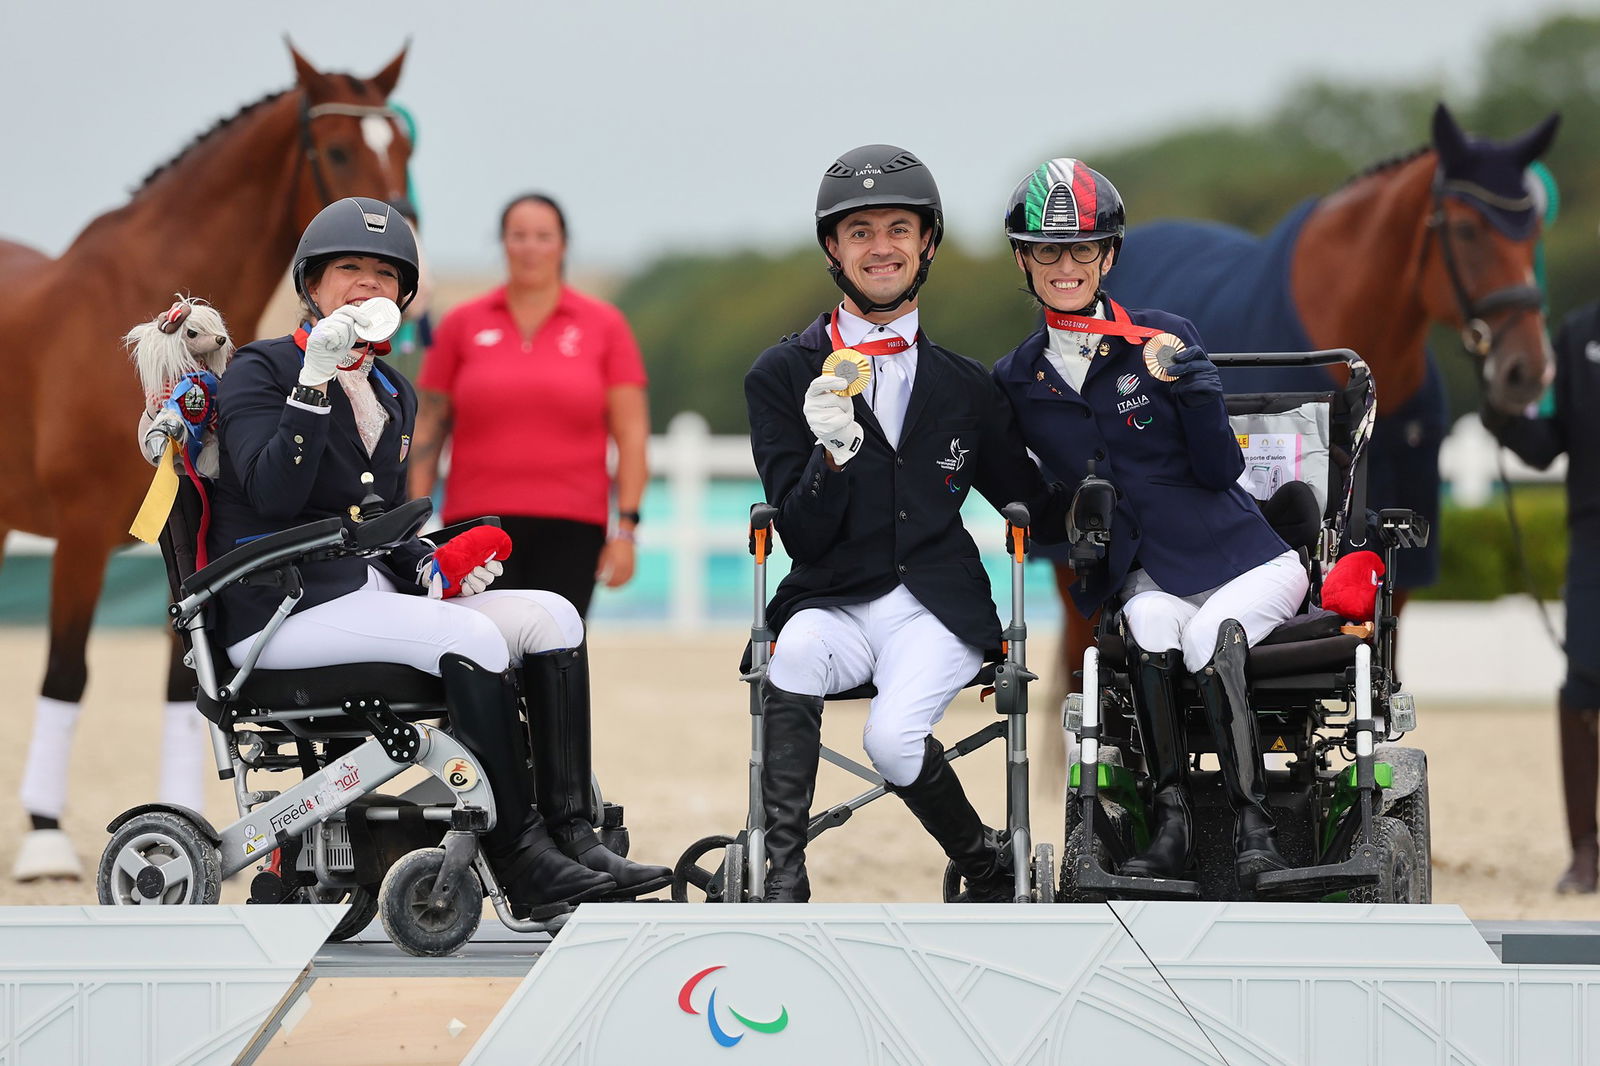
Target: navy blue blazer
(1181, 514)
(892, 517)
(282, 466)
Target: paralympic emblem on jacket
(718, 1033)
(1138, 421)
(958, 459)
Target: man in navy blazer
(887, 585)
(1198, 573)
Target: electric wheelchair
(1355, 829)
(344, 731)
(732, 869)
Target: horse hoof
(46, 853)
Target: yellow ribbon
(158, 499)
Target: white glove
(471, 584)
(328, 346)
(832, 417)
(155, 432)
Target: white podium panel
(916, 985)
(147, 986)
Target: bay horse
(221, 221)
(1444, 234)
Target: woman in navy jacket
(294, 449)
(1196, 570)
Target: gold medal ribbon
(159, 498)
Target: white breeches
(916, 663)
(1261, 599)
(377, 624)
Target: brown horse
(220, 220)
(1445, 234)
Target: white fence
(688, 457)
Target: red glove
(1351, 587)
(466, 564)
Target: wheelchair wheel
(159, 857)
(952, 882)
(1400, 880)
(1413, 811)
(1044, 874)
(363, 908)
(414, 926)
(690, 874)
(1072, 854)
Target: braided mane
(1386, 163)
(204, 135)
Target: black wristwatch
(628, 516)
(309, 396)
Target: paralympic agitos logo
(718, 1033)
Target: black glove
(1198, 382)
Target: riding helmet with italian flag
(1063, 202)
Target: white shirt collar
(854, 329)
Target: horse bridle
(1477, 336)
(308, 144)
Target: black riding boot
(1154, 676)
(793, 742)
(1244, 774)
(556, 684)
(937, 799)
(485, 717)
(1580, 771)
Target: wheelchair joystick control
(372, 504)
(1089, 521)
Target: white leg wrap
(44, 777)
(182, 755)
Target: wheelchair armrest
(439, 536)
(393, 528)
(258, 554)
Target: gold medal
(852, 366)
(1160, 352)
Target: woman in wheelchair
(1198, 574)
(295, 449)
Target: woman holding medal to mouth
(1195, 569)
(310, 424)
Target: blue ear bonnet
(1494, 176)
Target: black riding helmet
(358, 225)
(877, 175)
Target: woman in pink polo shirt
(529, 382)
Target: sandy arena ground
(672, 736)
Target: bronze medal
(1160, 352)
(853, 367)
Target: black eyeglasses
(1083, 251)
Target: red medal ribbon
(1119, 325)
(887, 346)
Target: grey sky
(702, 124)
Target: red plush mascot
(468, 563)
(1351, 587)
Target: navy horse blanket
(1235, 288)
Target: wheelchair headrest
(1293, 514)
